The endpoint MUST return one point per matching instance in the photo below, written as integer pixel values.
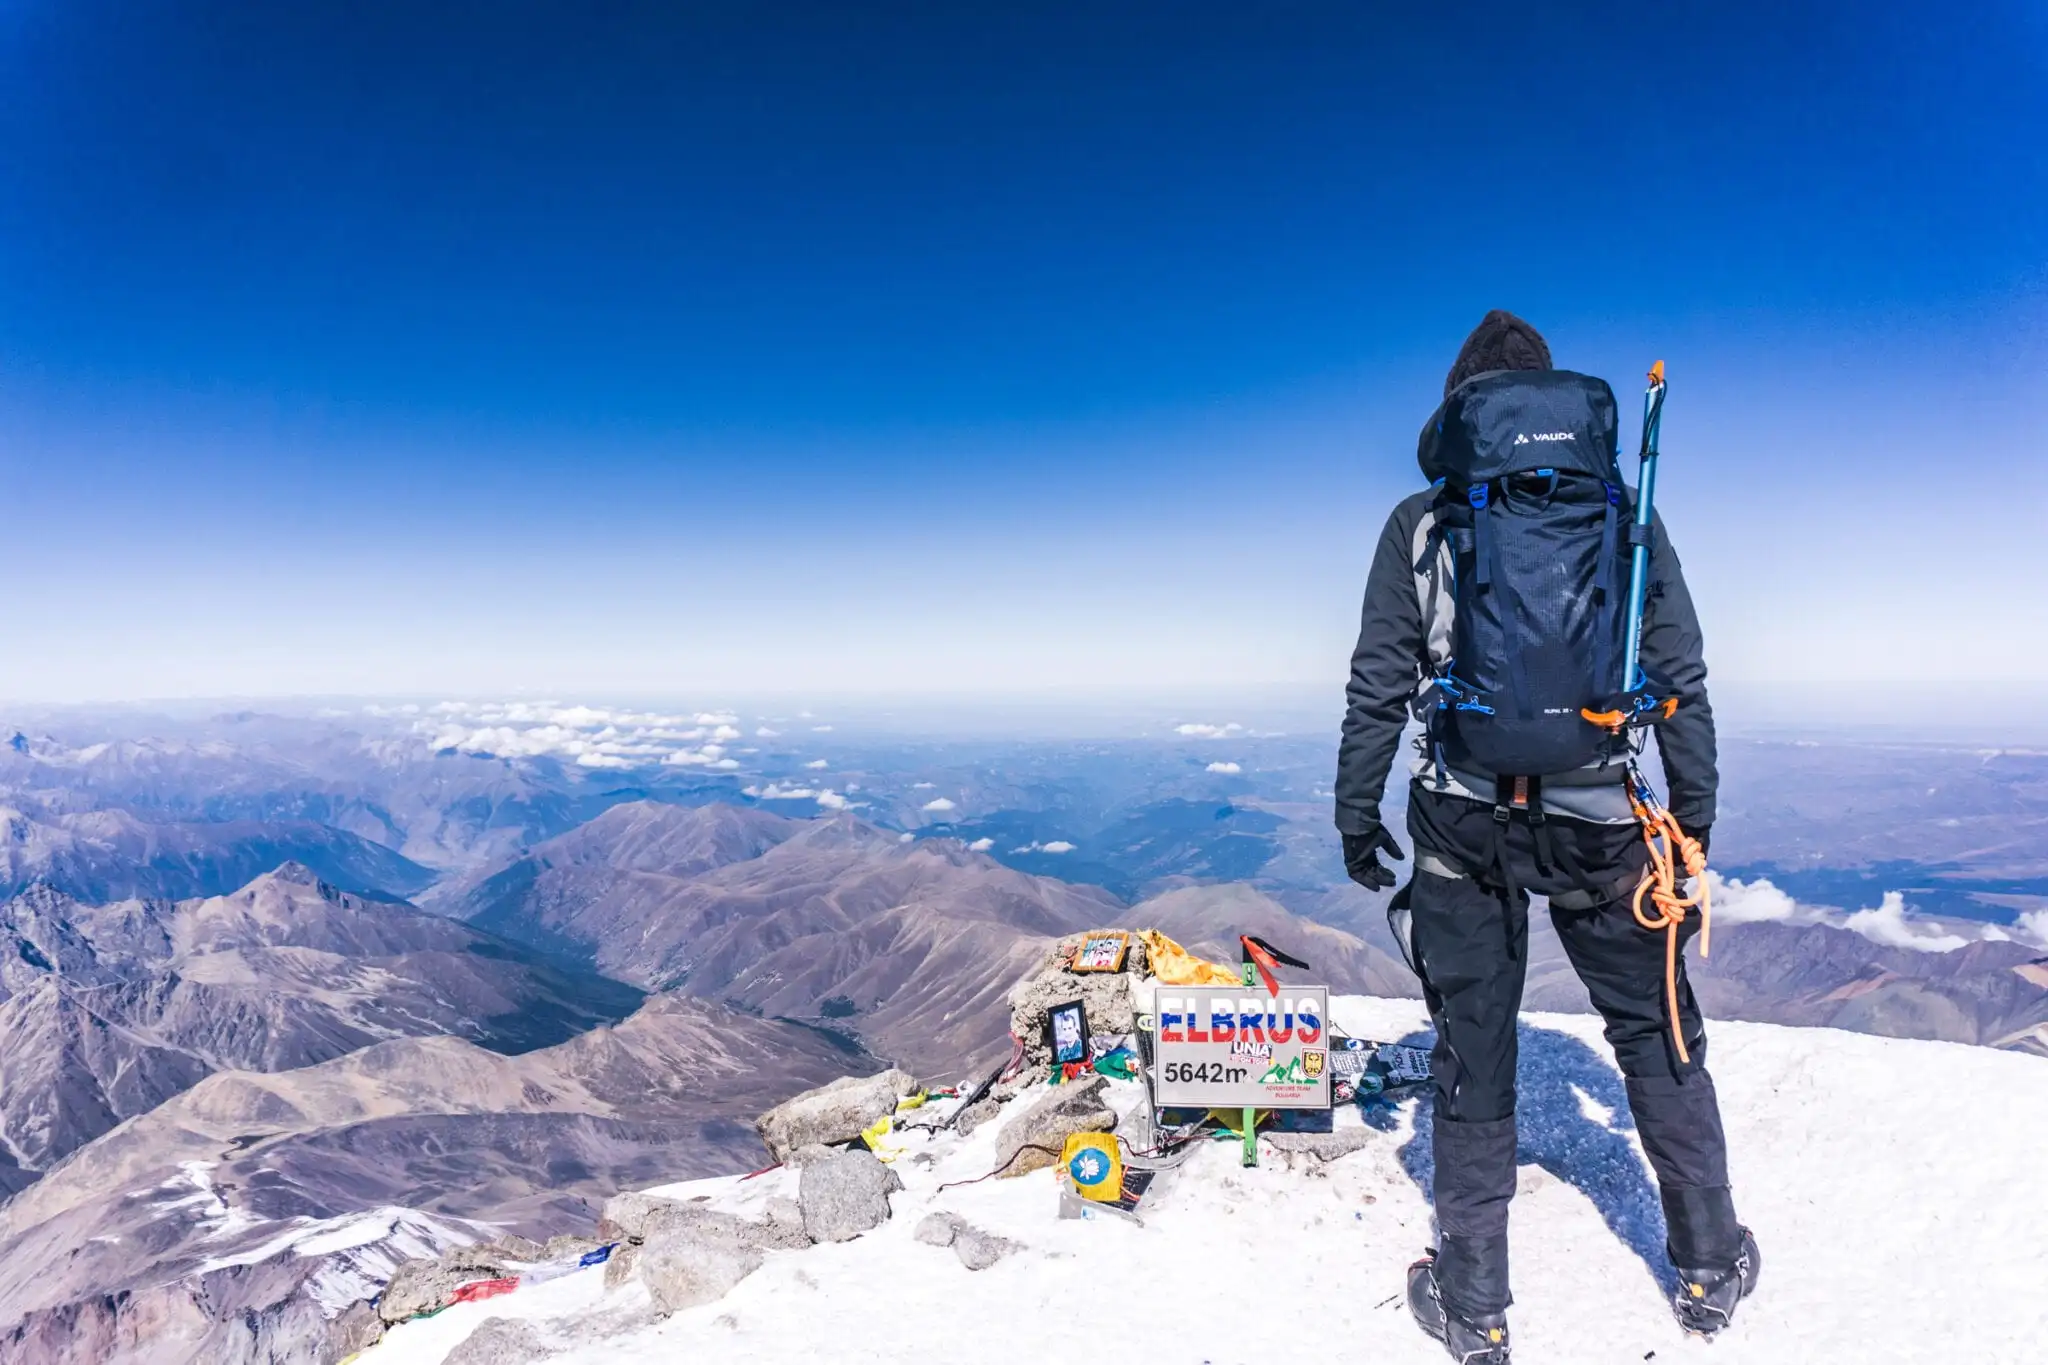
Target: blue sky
(495, 347)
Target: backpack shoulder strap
(1431, 562)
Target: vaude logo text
(1543, 436)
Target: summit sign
(1225, 1047)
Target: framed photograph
(1067, 1027)
(1103, 952)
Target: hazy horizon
(1996, 715)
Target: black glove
(1703, 836)
(1362, 858)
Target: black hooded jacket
(1392, 658)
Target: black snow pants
(1469, 928)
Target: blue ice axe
(1639, 557)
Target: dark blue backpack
(1532, 506)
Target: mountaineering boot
(1706, 1299)
(1482, 1340)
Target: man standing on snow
(1494, 609)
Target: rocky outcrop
(977, 1250)
(976, 1114)
(681, 1273)
(690, 1254)
(421, 1286)
(833, 1113)
(500, 1341)
(846, 1196)
(1105, 996)
(1031, 1141)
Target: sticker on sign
(1223, 1047)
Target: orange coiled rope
(1670, 848)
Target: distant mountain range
(1990, 993)
(368, 781)
(907, 946)
(107, 855)
(283, 1000)
(108, 1010)
(232, 1217)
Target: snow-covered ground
(1899, 1191)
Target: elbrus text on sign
(1224, 1047)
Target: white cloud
(922, 786)
(1053, 846)
(1201, 730)
(821, 729)
(1739, 902)
(941, 805)
(824, 796)
(765, 733)
(1227, 769)
(728, 764)
(1892, 923)
(592, 736)
(982, 845)
(818, 763)
(905, 838)
(1887, 924)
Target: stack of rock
(1105, 996)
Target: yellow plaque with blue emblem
(1094, 1165)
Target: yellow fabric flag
(1232, 1120)
(1176, 966)
(1095, 1166)
(873, 1134)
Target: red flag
(482, 1289)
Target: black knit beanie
(1501, 341)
